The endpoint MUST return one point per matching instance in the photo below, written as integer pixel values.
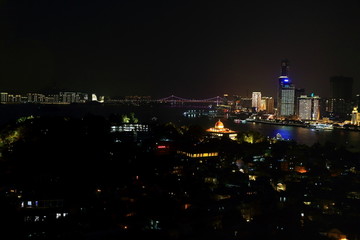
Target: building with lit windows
(4, 97)
(130, 127)
(129, 132)
(256, 101)
(309, 107)
(267, 104)
(73, 97)
(286, 92)
(35, 98)
(192, 154)
(220, 131)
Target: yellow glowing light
(280, 187)
(219, 124)
(252, 177)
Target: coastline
(293, 124)
(304, 125)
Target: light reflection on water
(307, 136)
(302, 135)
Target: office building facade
(309, 107)
(256, 101)
(286, 92)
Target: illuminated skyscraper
(309, 107)
(256, 101)
(286, 92)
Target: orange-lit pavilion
(219, 131)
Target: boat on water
(321, 126)
(237, 120)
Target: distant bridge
(177, 100)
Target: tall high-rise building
(256, 101)
(309, 107)
(286, 92)
(341, 87)
(267, 104)
(298, 92)
(340, 104)
(263, 104)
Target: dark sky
(185, 48)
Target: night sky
(185, 48)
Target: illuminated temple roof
(219, 128)
(219, 125)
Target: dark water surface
(350, 139)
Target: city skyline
(181, 48)
(179, 120)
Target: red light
(161, 147)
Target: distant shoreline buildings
(291, 103)
(60, 98)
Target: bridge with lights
(178, 100)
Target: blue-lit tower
(286, 92)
